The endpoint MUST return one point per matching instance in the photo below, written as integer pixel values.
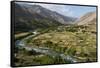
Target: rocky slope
(29, 17)
(88, 20)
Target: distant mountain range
(35, 16)
(30, 17)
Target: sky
(68, 10)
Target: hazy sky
(67, 10)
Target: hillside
(89, 20)
(30, 17)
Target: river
(43, 50)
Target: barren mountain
(88, 20)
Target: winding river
(43, 50)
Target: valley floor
(56, 45)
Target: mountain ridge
(30, 17)
(88, 18)
(48, 13)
